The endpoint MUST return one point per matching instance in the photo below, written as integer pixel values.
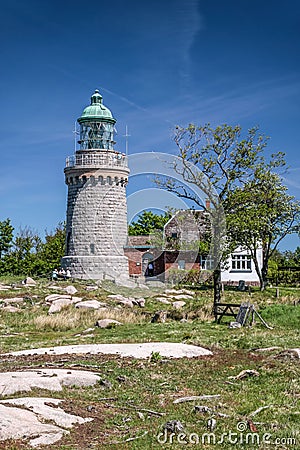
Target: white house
(239, 266)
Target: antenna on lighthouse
(126, 135)
(75, 132)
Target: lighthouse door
(147, 259)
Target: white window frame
(241, 263)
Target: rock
(293, 353)
(234, 325)
(188, 292)
(58, 305)
(91, 288)
(174, 426)
(267, 349)
(159, 317)
(70, 290)
(139, 302)
(106, 384)
(52, 297)
(107, 323)
(58, 288)
(76, 299)
(202, 409)
(12, 300)
(172, 291)
(211, 424)
(183, 297)
(136, 350)
(126, 302)
(88, 330)
(11, 309)
(16, 423)
(29, 282)
(3, 287)
(121, 379)
(89, 304)
(176, 292)
(116, 297)
(50, 379)
(163, 300)
(245, 374)
(28, 418)
(183, 320)
(178, 305)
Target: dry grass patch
(71, 318)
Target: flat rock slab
(25, 418)
(136, 350)
(291, 353)
(50, 379)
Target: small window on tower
(92, 247)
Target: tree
(22, 258)
(53, 249)
(6, 237)
(262, 213)
(217, 161)
(148, 223)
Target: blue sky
(157, 64)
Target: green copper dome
(96, 110)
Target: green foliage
(6, 237)
(27, 254)
(53, 249)
(225, 161)
(148, 223)
(261, 215)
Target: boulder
(11, 309)
(40, 420)
(89, 304)
(126, 302)
(91, 288)
(178, 305)
(50, 379)
(8, 301)
(183, 297)
(107, 323)
(141, 302)
(293, 353)
(135, 350)
(116, 297)
(58, 305)
(29, 281)
(52, 297)
(70, 290)
(163, 300)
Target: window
(207, 262)
(174, 235)
(181, 264)
(241, 262)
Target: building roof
(96, 110)
(139, 242)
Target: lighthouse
(96, 176)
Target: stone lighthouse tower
(96, 177)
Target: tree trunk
(264, 277)
(217, 289)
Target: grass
(139, 386)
